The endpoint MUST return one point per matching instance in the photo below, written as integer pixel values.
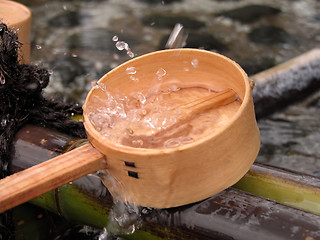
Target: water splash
(2, 79)
(195, 62)
(122, 45)
(161, 73)
(177, 38)
(131, 70)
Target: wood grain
(32, 182)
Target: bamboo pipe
(86, 200)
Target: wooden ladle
(32, 182)
(158, 178)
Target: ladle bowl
(164, 177)
(172, 177)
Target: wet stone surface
(270, 35)
(250, 13)
(291, 139)
(74, 40)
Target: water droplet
(195, 63)
(102, 86)
(131, 70)
(2, 79)
(186, 69)
(116, 56)
(4, 122)
(141, 98)
(135, 79)
(121, 45)
(130, 53)
(94, 84)
(115, 38)
(38, 47)
(160, 73)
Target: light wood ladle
(156, 178)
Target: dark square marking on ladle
(133, 174)
(130, 164)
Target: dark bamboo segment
(231, 214)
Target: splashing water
(121, 45)
(115, 38)
(195, 63)
(131, 70)
(161, 73)
(140, 114)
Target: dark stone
(270, 35)
(97, 39)
(250, 13)
(256, 65)
(69, 67)
(163, 2)
(66, 19)
(167, 21)
(201, 41)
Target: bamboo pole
(230, 214)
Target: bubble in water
(172, 143)
(38, 47)
(186, 140)
(141, 97)
(195, 63)
(115, 38)
(174, 88)
(121, 45)
(137, 143)
(161, 73)
(131, 70)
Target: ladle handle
(39, 179)
(212, 101)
